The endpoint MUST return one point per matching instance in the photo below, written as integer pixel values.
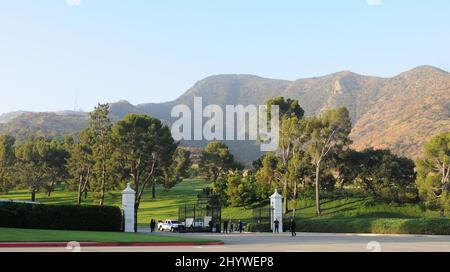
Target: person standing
(293, 227)
(152, 225)
(241, 226)
(217, 226)
(231, 227)
(211, 225)
(277, 226)
(225, 226)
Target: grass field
(358, 215)
(344, 208)
(341, 215)
(26, 235)
(163, 207)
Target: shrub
(258, 227)
(430, 226)
(241, 191)
(265, 227)
(64, 217)
(399, 195)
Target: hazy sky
(153, 51)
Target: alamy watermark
(234, 123)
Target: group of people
(229, 227)
(292, 227)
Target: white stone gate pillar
(276, 210)
(128, 198)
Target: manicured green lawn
(165, 205)
(26, 235)
(356, 215)
(342, 208)
(167, 202)
(345, 214)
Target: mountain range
(400, 113)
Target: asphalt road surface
(304, 242)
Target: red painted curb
(88, 244)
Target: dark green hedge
(60, 217)
(432, 226)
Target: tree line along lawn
(28, 235)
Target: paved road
(304, 242)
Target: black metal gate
(263, 216)
(201, 218)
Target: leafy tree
(7, 159)
(271, 175)
(328, 133)
(433, 172)
(300, 173)
(291, 141)
(143, 148)
(57, 162)
(346, 166)
(241, 189)
(216, 161)
(81, 163)
(219, 189)
(100, 130)
(39, 164)
(288, 107)
(265, 175)
(380, 171)
(175, 172)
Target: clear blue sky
(152, 51)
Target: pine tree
(100, 129)
(433, 172)
(7, 159)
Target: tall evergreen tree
(328, 133)
(175, 172)
(100, 129)
(433, 172)
(291, 142)
(7, 159)
(216, 161)
(81, 164)
(143, 147)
